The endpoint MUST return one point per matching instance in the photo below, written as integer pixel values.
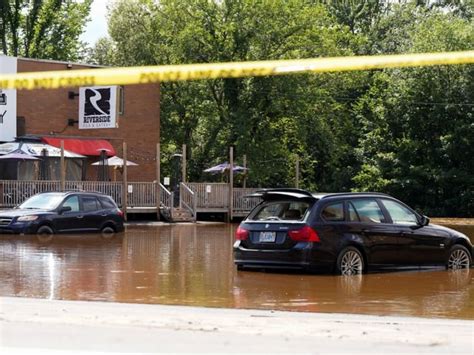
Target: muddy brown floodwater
(193, 265)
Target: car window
(282, 210)
(46, 201)
(333, 212)
(368, 210)
(353, 216)
(73, 202)
(399, 213)
(89, 204)
(107, 203)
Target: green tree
(407, 132)
(417, 123)
(46, 29)
(268, 119)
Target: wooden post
(63, 168)
(245, 171)
(183, 165)
(125, 183)
(158, 181)
(297, 173)
(231, 183)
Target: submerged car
(63, 212)
(345, 233)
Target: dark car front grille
(5, 221)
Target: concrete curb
(38, 324)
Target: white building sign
(98, 107)
(8, 65)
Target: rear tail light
(120, 213)
(241, 234)
(305, 234)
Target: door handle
(79, 217)
(104, 215)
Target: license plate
(267, 237)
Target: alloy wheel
(459, 259)
(351, 263)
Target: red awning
(91, 147)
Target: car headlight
(27, 218)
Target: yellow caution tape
(155, 74)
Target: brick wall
(46, 113)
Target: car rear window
(333, 212)
(107, 203)
(281, 210)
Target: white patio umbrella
(116, 161)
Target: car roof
(268, 194)
(321, 195)
(70, 192)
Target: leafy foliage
(46, 29)
(408, 132)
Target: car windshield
(46, 201)
(281, 210)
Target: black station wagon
(54, 212)
(343, 233)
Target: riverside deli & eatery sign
(98, 107)
(8, 65)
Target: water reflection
(192, 265)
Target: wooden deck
(142, 197)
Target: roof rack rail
(286, 189)
(333, 194)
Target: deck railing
(193, 196)
(14, 192)
(210, 195)
(188, 199)
(113, 188)
(216, 195)
(242, 202)
(166, 197)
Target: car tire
(458, 258)
(45, 234)
(107, 232)
(350, 262)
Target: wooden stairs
(177, 215)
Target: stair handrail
(165, 198)
(187, 199)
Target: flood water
(193, 265)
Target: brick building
(53, 115)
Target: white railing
(113, 189)
(210, 195)
(166, 197)
(141, 194)
(14, 192)
(241, 202)
(193, 196)
(187, 199)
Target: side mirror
(424, 221)
(65, 209)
